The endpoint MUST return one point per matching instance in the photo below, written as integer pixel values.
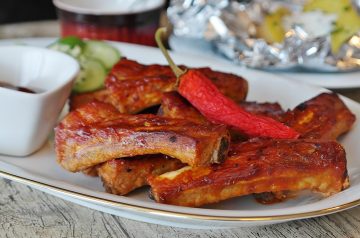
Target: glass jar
(132, 21)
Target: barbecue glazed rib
(257, 166)
(322, 117)
(121, 176)
(85, 138)
(132, 87)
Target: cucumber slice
(91, 76)
(70, 45)
(103, 52)
(95, 59)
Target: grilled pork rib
(84, 139)
(322, 117)
(121, 176)
(131, 87)
(257, 166)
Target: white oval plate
(41, 171)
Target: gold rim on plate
(154, 211)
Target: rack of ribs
(328, 109)
(132, 87)
(257, 166)
(121, 176)
(83, 139)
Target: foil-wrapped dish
(316, 35)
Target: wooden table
(25, 212)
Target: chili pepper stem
(158, 38)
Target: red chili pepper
(205, 96)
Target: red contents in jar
(138, 28)
(140, 35)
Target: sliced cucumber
(95, 59)
(91, 76)
(103, 52)
(70, 45)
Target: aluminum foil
(231, 27)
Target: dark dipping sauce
(21, 89)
